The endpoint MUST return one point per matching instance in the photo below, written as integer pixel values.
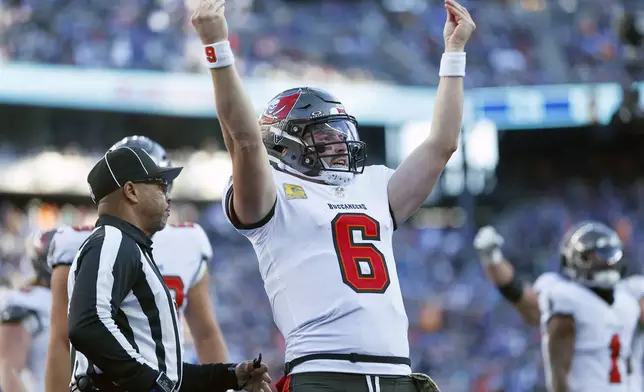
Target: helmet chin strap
(337, 178)
(329, 177)
(334, 177)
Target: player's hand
(459, 27)
(488, 243)
(487, 239)
(210, 22)
(252, 378)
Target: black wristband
(512, 291)
(223, 375)
(212, 377)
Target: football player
(588, 320)
(321, 223)
(24, 324)
(182, 253)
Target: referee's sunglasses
(165, 186)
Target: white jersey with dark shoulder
(603, 333)
(181, 252)
(326, 257)
(635, 286)
(31, 308)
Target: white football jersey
(180, 251)
(635, 286)
(603, 333)
(35, 301)
(327, 262)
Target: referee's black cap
(124, 164)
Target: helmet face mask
(334, 146)
(592, 255)
(308, 133)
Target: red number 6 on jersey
(363, 266)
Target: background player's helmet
(591, 253)
(154, 149)
(158, 154)
(38, 245)
(308, 132)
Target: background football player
(182, 253)
(635, 286)
(24, 324)
(321, 222)
(588, 320)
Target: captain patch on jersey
(294, 192)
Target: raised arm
(254, 191)
(500, 272)
(416, 176)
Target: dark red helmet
(308, 131)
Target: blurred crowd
(516, 42)
(461, 331)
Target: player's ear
(131, 193)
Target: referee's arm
(107, 270)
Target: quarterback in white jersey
(588, 320)
(181, 252)
(321, 222)
(24, 325)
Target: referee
(123, 322)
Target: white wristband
(452, 64)
(219, 55)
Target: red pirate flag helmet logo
(279, 108)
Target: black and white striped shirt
(123, 321)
